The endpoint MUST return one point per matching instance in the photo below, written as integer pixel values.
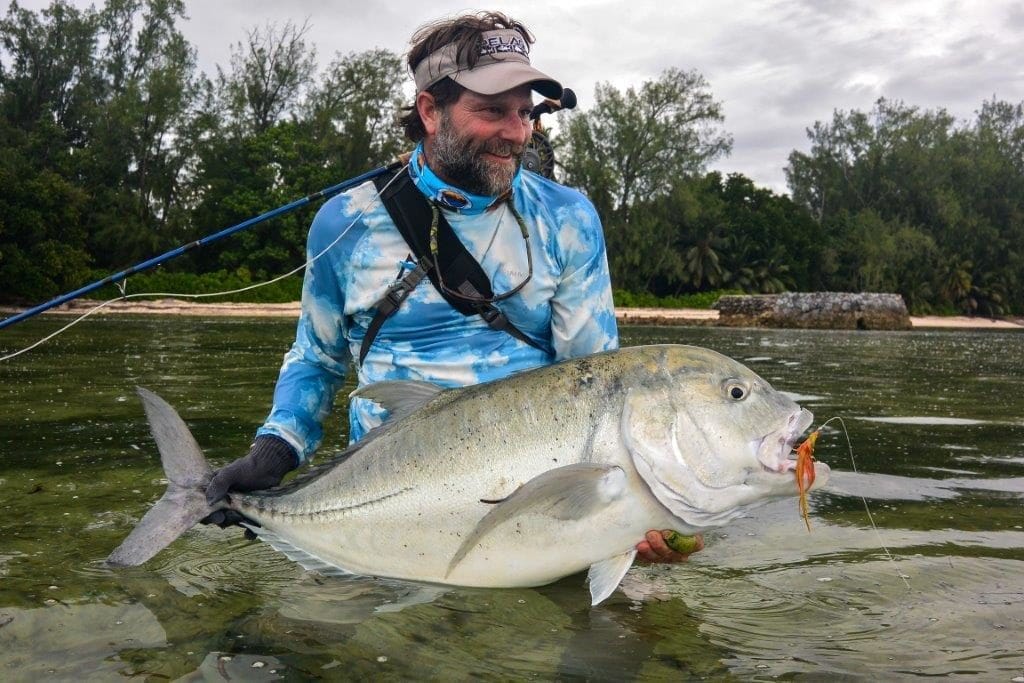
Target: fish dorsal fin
(399, 397)
(604, 576)
(314, 471)
(569, 492)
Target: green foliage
(116, 148)
(44, 101)
(705, 300)
(915, 202)
(268, 76)
(635, 144)
(671, 228)
(162, 283)
(707, 233)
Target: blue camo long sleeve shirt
(566, 306)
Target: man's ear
(428, 110)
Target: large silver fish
(517, 482)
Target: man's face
(479, 140)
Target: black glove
(269, 459)
(225, 518)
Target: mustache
(504, 149)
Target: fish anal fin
(305, 559)
(604, 576)
(571, 492)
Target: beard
(460, 160)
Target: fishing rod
(538, 156)
(167, 256)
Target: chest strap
(412, 215)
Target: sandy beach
(625, 316)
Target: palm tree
(957, 285)
(701, 262)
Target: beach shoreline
(625, 316)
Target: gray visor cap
(503, 64)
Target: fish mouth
(775, 450)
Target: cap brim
(501, 76)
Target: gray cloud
(777, 65)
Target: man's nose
(515, 128)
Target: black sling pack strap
(412, 215)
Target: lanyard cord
(435, 220)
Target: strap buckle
(397, 293)
(494, 317)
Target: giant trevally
(516, 482)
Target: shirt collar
(447, 195)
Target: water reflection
(69, 641)
(935, 424)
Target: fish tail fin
(184, 502)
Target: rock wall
(815, 310)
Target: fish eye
(736, 391)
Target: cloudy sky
(776, 65)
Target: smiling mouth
(504, 151)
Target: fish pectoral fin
(571, 492)
(604, 576)
(399, 397)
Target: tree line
(117, 147)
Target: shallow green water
(937, 424)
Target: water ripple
(851, 616)
(194, 565)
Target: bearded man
(539, 244)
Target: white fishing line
(123, 284)
(878, 535)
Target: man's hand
(269, 459)
(654, 548)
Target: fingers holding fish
(668, 546)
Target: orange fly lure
(805, 473)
